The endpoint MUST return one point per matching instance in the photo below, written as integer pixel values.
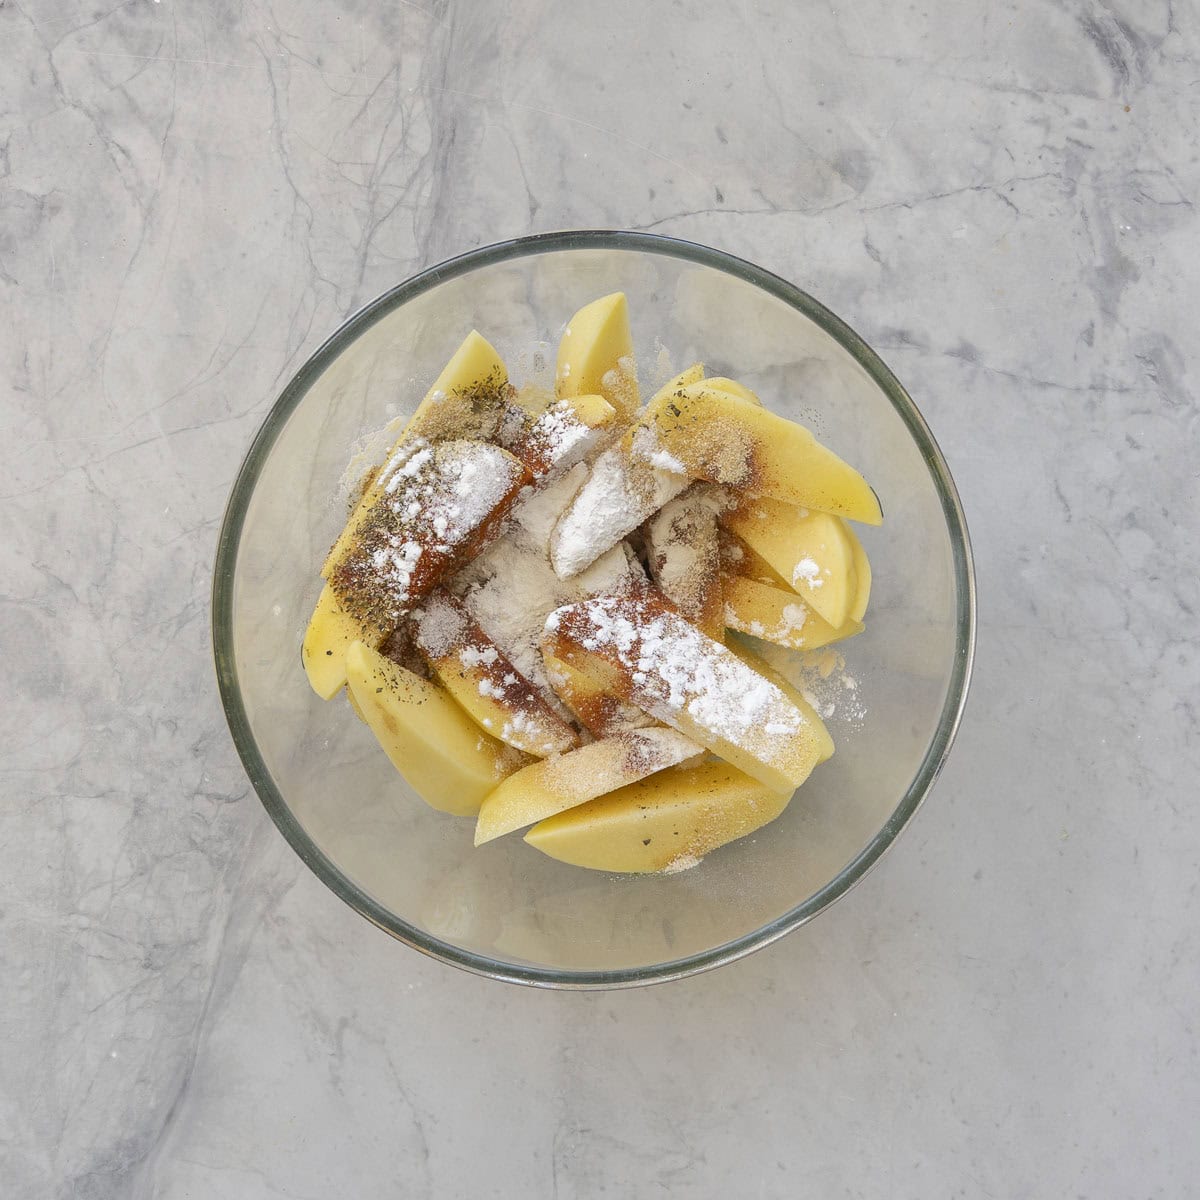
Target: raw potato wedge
(638, 648)
(862, 575)
(685, 378)
(810, 550)
(683, 547)
(439, 505)
(477, 673)
(725, 439)
(737, 558)
(467, 400)
(595, 355)
(331, 632)
(563, 434)
(821, 735)
(599, 712)
(670, 820)
(446, 758)
(623, 489)
(779, 615)
(731, 387)
(543, 789)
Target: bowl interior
(506, 909)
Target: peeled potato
(719, 383)
(738, 558)
(562, 434)
(599, 711)
(481, 677)
(726, 439)
(862, 575)
(821, 734)
(638, 648)
(449, 761)
(595, 355)
(466, 400)
(809, 550)
(331, 632)
(684, 553)
(438, 506)
(545, 788)
(778, 615)
(688, 375)
(670, 820)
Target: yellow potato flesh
(820, 734)
(737, 558)
(685, 378)
(446, 758)
(671, 819)
(482, 678)
(545, 788)
(726, 439)
(535, 733)
(465, 401)
(731, 387)
(778, 615)
(599, 711)
(595, 355)
(656, 659)
(330, 633)
(809, 550)
(862, 575)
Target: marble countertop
(1000, 197)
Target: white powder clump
(620, 493)
(440, 626)
(557, 439)
(538, 509)
(809, 571)
(647, 448)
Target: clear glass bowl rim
(243, 488)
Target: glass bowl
(505, 910)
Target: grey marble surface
(999, 196)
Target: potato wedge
(331, 632)
(737, 558)
(794, 694)
(600, 712)
(726, 439)
(481, 677)
(438, 506)
(638, 648)
(688, 375)
(862, 576)
(666, 822)
(778, 615)
(542, 789)
(563, 434)
(810, 550)
(467, 400)
(595, 355)
(446, 758)
(719, 383)
(684, 555)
